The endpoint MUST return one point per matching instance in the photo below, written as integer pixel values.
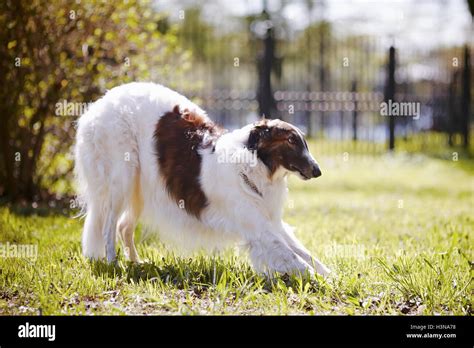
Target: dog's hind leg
(98, 239)
(109, 232)
(93, 243)
(112, 202)
(128, 222)
(125, 229)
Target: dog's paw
(321, 269)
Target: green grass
(397, 230)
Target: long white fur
(118, 179)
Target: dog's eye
(291, 139)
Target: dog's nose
(316, 171)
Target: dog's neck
(255, 170)
(269, 191)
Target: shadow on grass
(135, 272)
(187, 273)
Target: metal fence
(332, 87)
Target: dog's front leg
(298, 248)
(270, 252)
(269, 256)
(263, 237)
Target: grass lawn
(397, 230)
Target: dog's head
(282, 145)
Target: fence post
(266, 60)
(354, 112)
(452, 108)
(309, 67)
(466, 96)
(389, 95)
(322, 72)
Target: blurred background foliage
(63, 50)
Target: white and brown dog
(145, 152)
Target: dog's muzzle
(309, 171)
(316, 172)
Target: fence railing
(335, 88)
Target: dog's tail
(87, 181)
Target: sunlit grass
(396, 230)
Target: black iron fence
(332, 87)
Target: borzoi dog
(145, 152)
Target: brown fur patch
(178, 137)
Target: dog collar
(250, 184)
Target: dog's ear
(177, 109)
(259, 132)
(252, 142)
